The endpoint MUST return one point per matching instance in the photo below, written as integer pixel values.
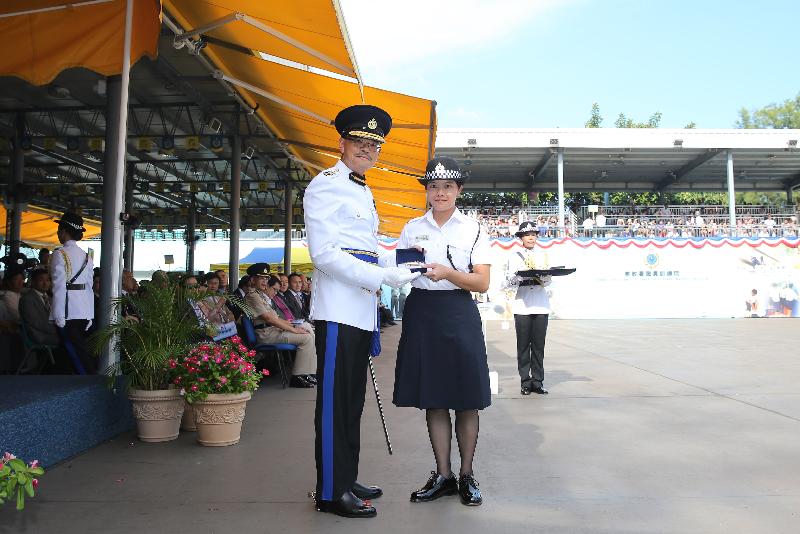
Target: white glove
(60, 322)
(398, 276)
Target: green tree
(782, 115)
(627, 122)
(595, 120)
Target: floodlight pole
(287, 237)
(127, 257)
(561, 228)
(190, 233)
(114, 189)
(731, 195)
(236, 200)
(18, 177)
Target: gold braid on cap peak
(366, 135)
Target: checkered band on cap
(72, 224)
(441, 173)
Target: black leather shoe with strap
(348, 505)
(366, 492)
(436, 486)
(468, 490)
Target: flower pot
(158, 413)
(187, 423)
(219, 418)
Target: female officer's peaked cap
(442, 168)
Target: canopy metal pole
(287, 238)
(789, 197)
(731, 195)
(114, 189)
(190, 233)
(18, 178)
(236, 199)
(127, 257)
(561, 192)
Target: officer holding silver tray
(531, 308)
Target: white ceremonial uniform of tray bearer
(340, 214)
(528, 300)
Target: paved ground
(651, 426)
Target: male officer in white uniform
(71, 270)
(342, 225)
(531, 309)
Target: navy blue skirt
(441, 359)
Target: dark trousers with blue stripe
(342, 362)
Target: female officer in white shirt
(441, 358)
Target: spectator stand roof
(616, 159)
(287, 68)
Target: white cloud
(396, 33)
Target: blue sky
(542, 63)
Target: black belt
(76, 287)
(529, 282)
(260, 326)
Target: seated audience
(34, 309)
(270, 328)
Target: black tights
(440, 432)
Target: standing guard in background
(531, 309)
(342, 226)
(71, 271)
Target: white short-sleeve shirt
(462, 236)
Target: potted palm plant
(158, 325)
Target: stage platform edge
(52, 418)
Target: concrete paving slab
(650, 427)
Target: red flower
(194, 387)
(265, 372)
(35, 483)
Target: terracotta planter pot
(187, 423)
(158, 413)
(219, 418)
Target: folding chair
(282, 351)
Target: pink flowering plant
(226, 366)
(18, 479)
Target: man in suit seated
(295, 298)
(34, 310)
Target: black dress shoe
(311, 378)
(525, 391)
(298, 381)
(366, 492)
(539, 390)
(468, 490)
(436, 486)
(348, 505)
